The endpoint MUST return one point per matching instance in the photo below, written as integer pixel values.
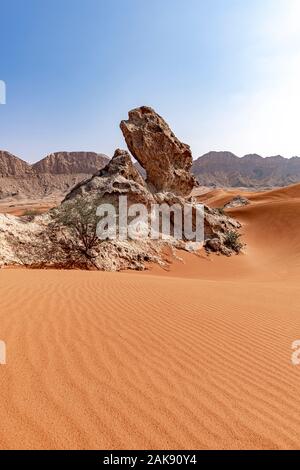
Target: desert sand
(197, 356)
(28, 206)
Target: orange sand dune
(198, 356)
(220, 197)
(217, 197)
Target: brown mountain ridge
(58, 172)
(53, 176)
(224, 169)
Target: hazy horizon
(223, 74)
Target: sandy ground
(27, 207)
(197, 357)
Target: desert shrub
(232, 241)
(30, 214)
(73, 232)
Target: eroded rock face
(237, 201)
(118, 178)
(217, 226)
(21, 240)
(121, 164)
(166, 160)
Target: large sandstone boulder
(166, 160)
(118, 178)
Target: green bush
(232, 241)
(30, 213)
(74, 231)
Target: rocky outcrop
(237, 201)
(30, 243)
(119, 177)
(68, 236)
(21, 239)
(122, 165)
(166, 160)
(217, 228)
(50, 244)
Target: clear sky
(225, 74)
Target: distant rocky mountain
(71, 163)
(224, 169)
(53, 176)
(10, 165)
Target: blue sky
(224, 73)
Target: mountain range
(54, 175)
(224, 169)
(58, 172)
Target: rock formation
(119, 177)
(166, 160)
(66, 236)
(237, 201)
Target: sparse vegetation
(73, 229)
(232, 241)
(30, 213)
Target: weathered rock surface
(119, 177)
(237, 201)
(18, 239)
(166, 160)
(214, 244)
(217, 226)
